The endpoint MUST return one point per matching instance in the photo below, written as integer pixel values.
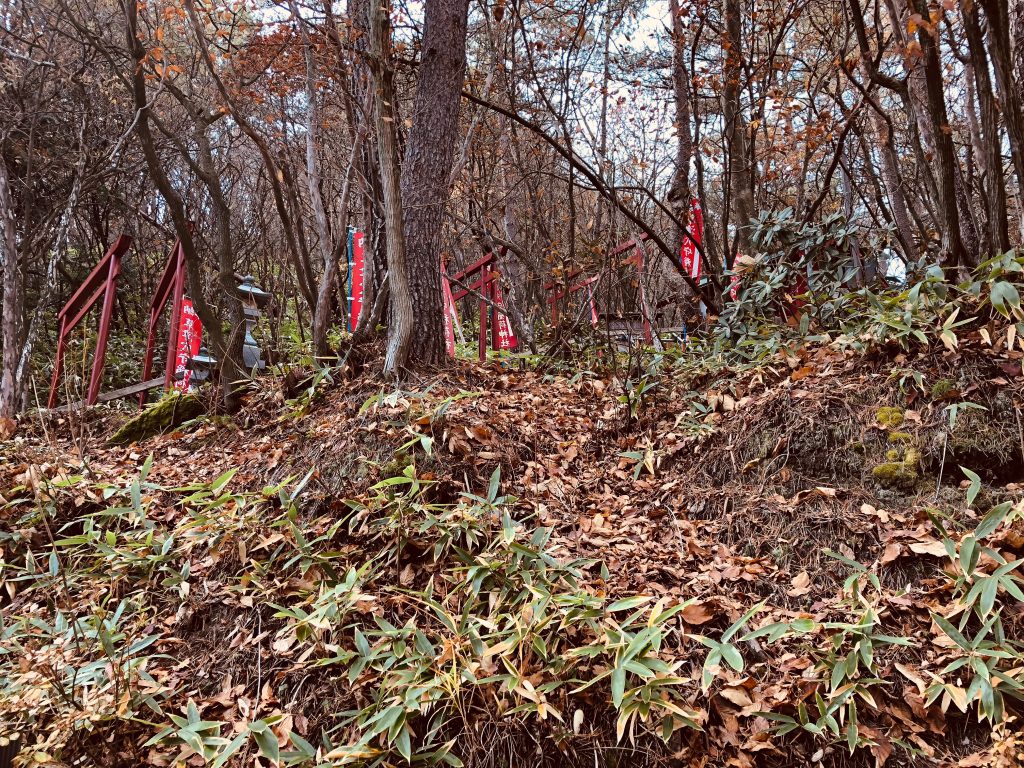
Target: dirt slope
(724, 488)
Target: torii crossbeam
(102, 281)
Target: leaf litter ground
(728, 490)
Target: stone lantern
(201, 365)
(254, 300)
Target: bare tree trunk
(1017, 57)
(13, 299)
(894, 187)
(679, 192)
(57, 254)
(232, 371)
(976, 161)
(400, 320)
(367, 169)
(740, 178)
(954, 254)
(848, 211)
(883, 128)
(990, 155)
(915, 103)
(322, 315)
(1017, 33)
(1009, 86)
(275, 173)
(328, 249)
(426, 170)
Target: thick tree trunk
(954, 254)
(679, 193)
(1017, 32)
(401, 318)
(13, 299)
(991, 156)
(427, 167)
(741, 177)
(1008, 78)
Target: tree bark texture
(13, 299)
(740, 176)
(991, 156)
(679, 193)
(427, 166)
(1005, 55)
(954, 253)
(401, 318)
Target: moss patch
(168, 413)
(889, 417)
(901, 437)
(898, 474)
(942, 388)
(895, 474)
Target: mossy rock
(898, 474)
(895, 474)
(166, 414)
(889, 417)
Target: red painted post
(648, 335)
(483, 286)
(58, 366)
(102, 281)
(106, 314)
(176, 300)
(492, 294)
(171, 280)
(482, 341)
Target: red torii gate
(486, 285)
(559, 290)
(102, 281)
(171, 286)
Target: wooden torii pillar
(102, 281)
(486, 286)
(171, 286)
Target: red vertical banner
(451, 316)
(190, 336)
(506, 336)
(355, 266)
(734, 287)
(690, 256)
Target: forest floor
(375, 612)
